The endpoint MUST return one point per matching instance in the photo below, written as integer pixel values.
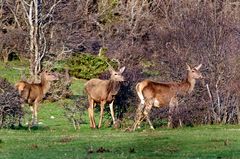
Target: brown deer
(163, 94)
(33, 93)
(103, 91)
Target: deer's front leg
(34, 114)
(91, 113)
(112, 112)
(101, 113)
(178, 112)
(173, 103)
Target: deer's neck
(113, 87)
(187, 85)
(45, 85)
(191, 82)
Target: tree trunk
(238, 112)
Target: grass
(13, 71)
(56, 138)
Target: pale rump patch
(156, 102)
(140, 95)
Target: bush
(84, 66)
(10, 105)
(61, 88)
(74, 111)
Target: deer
(159, 94)
(33, 93)
(103, 92)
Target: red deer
(163, 94)
(33, 93)
(103, 91)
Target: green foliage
(148, 68)
(147, 64)
(159, 123)
(85, 66)
(149, 72)
(107, 9)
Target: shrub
(10, 105)
(61, 88)
(74, 111)
(85, 66)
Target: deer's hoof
(92, 127)
(117, 124)
(170, 126)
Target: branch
(51, 9)
(15, 17)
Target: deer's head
(117, 75)
(49, 76)
(194, 72)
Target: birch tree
(38, 22)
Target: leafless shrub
(74, 111)
(10, 105)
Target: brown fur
(33, 93)
(162, 94)
(103, 91)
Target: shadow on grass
(74, 97)
(30, 128)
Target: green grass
(13, 71)
(56, 138)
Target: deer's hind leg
(146, 112)
(139, 116)
(143, 113)
(91, 112)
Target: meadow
(55, 137)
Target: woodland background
(153, 38)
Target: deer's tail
(23, 89)
(139, 89)
(20, 86)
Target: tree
(38, 23)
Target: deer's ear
(188, 67)
(198, 67)
(122, 69)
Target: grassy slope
(56, 138)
